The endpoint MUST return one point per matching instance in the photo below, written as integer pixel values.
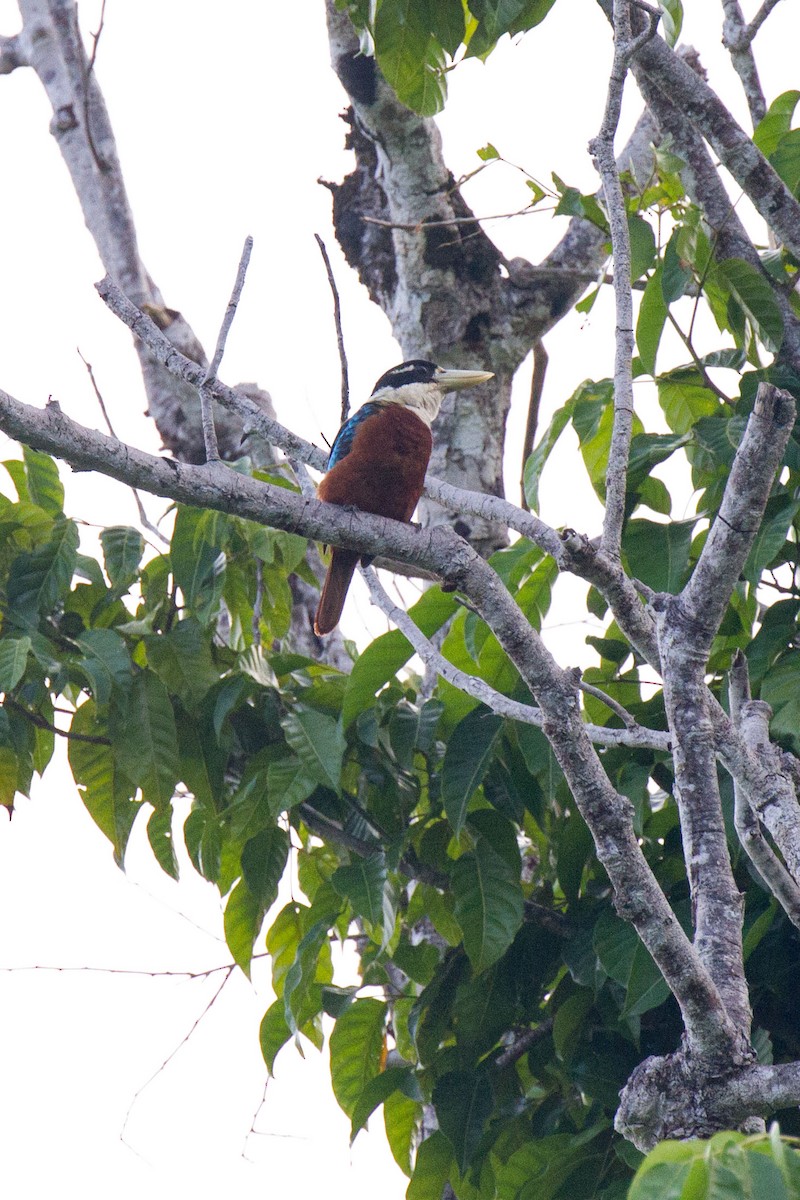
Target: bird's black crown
(417, 370)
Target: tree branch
(206, 398)
(687, 625)
(737, 39)
(632, 735)
(757, 178)
(608, 814)
(601, 149)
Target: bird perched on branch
(379, 459)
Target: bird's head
(420, 385)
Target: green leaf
(768, 542)
(356, 1048)
(536, 461)
(363, 884)
(469, 752)
(488, 152)
(106, 662)
(182, 660)
(242, 923)
(203, 840)
(44, 486)
(643, 245)
(38, 579)
(684, 401)
(431, 1169)
(778, 627)
(9, 775)
(648, 450)
(776, 123)
(786, 160)
(264, 859)
(123, 548)
(198, 563)
(671, 20)
(483, 1011)
(463, 1102)
(319, 743)
(283, 941)
(401, 1120)
(93, 768)
(647, 987)
(657, 554)
(311, 968)
(675, 275)
(146, 740)
(495, 17)
(539, 1168)
(532, 14)
(273, 1034)
(384, 657)
(488, 903)
(779, 689)
(755, 296)
(651, 320)
(409, 55)
(376, 1091)
(447, 23)
(13, 660)
(159, 835)
(287, 785)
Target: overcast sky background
(225, 116)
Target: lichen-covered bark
(446, 288)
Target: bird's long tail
(334, 590)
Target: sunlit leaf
(37, 579)
(13, 659)
(356, 1050)
(671, 20)
(44, 485)
(242, 922)
(123, 548)
(273, 1034)
(777, 122)
(651, 320)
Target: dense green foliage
(406, 813)
(522, 1011)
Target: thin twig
(143, 518)
(88, 69)
(602, 150)
(526, 714)
(759, 19)
(206, 400)
(540, 361)
(42, 723)
(337, 317)
(416, 226)
(226, 976)
(589, 689)
(687, 341)
(522, 1043)
(736, 38)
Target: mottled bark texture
(446, 288)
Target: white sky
(225, 116)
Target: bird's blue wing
(343, 442)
